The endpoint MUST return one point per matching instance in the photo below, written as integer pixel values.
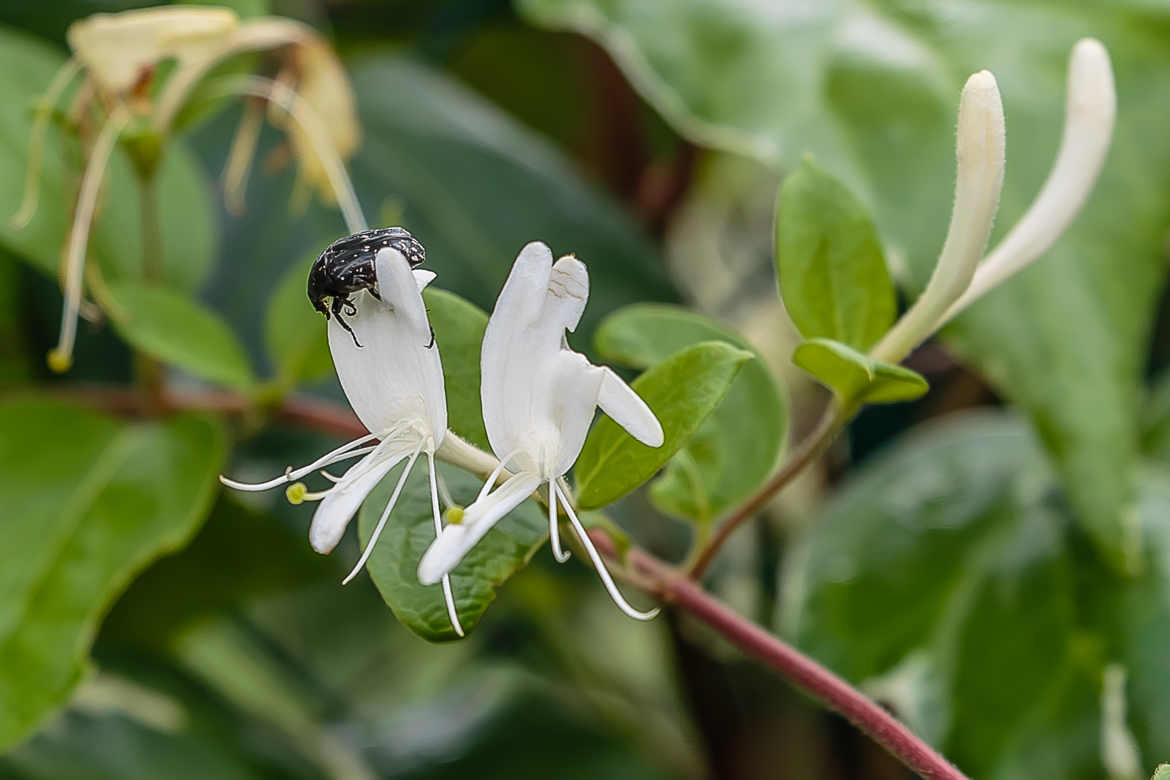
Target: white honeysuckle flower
(394, 382)
(1090, 110)
(539, 398)
(979, 152)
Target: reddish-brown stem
(798, 669)
(317, 415)
(668, 584)
(810, 449)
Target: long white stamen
(1090, 109)
(445, 494)
(448, 596)
(36, 141)
(554, 531)
(385, 516)
(341, 453)
(979, 152)
(301, 113)
(61, 356)
(491, 480)
(240, 156)
(599, 565)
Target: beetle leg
(428, 346)
(350, 310)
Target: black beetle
(347, 266)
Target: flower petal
(117, 48)
(455, 541)
(520, 388)
(342, 502)
(627, 409)
(564, 410)
(396, 377)
(508, 357)
(423, 277)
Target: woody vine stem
(673, 587)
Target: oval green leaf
(682, 391)
(829, 261)
(459, 326)
(89, 502)
(737, 447)
(394, 564)
(856, 377)
(177, 330)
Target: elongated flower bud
(979, 149)
(1089, 113)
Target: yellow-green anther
(296, 492)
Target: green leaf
(89, 503)
(1066, 339)
(737, 447)
(176, 330)
(394, 564)
(682, 391)
(856, 377)
(942, 566)
(189, 232)
(294, 332)
(833, 277)
(459, 327)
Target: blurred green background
(965, 573)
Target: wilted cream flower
(119, 54)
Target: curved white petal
(373, 540)
(627, 409)
(1090, 109)
(341, 503)
(510, 356)
(455, 541)
(395, 375)
(564, 411)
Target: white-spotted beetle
(347, 266)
